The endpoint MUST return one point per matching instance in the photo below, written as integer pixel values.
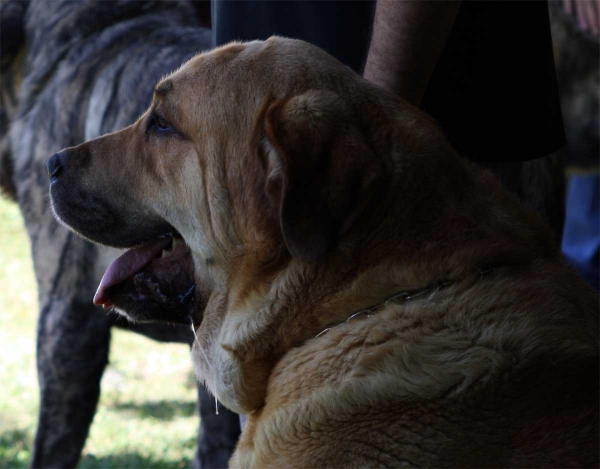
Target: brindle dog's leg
(72, 342)
(72, 351)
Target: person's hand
(587, 13)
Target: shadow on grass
(128, 460)
(15, 449)
(15, 453)
(162, 410)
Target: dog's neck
(258, 325)
(256, 319)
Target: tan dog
(306, 195)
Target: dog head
(272, 162)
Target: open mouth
(151, 282)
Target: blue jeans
(581, 239)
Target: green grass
(147, 413)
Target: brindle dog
(72, 71)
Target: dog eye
(162, 124)
(159, 125)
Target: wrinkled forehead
(217, 82)
(227, 62)
(278, 64)
(234, 81)
(228, 68)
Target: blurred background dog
(72, 71)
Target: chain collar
(403, 297)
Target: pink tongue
(126, 266)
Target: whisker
(205, 358)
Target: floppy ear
(320, 171)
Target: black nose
(55, 166)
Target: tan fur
(306, 194)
